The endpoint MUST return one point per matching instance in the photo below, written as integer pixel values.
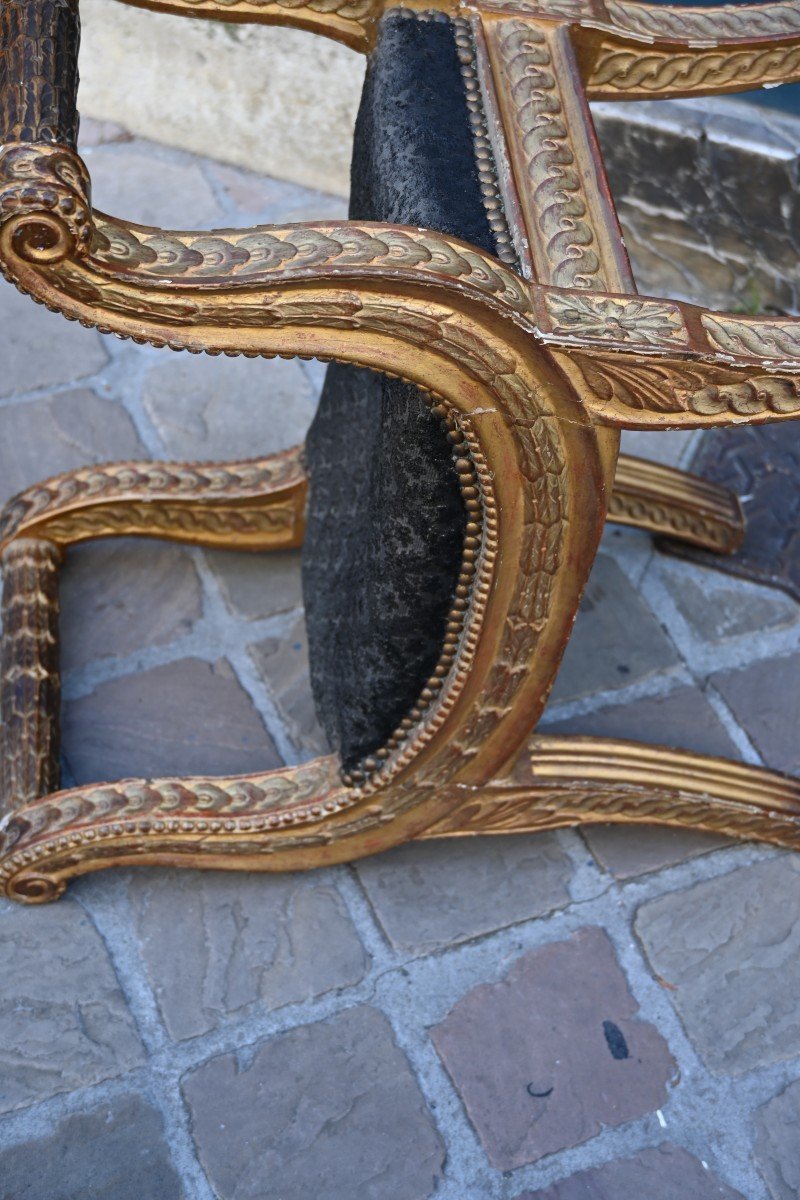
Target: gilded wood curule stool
(486, 346)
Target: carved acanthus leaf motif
(610, 319)
(674, 386)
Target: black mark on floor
(615, 1040)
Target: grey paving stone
(183, 718)
(327, 1109)
(433, 895)
(258, 585)
(114, 1152)
(41, 438)
(554, 1053)
(276, 200)
(40, 348)
(663, 1173)
(628, 852)
(118, 597)
(683, 719)
(777, 1145)
(666, 446)
(216, 944)
(227, 408)
(142, 184)
(730, 948)
(283, 662)
(765, 699)
(716, 607)
(64, 1022)
(616, 640)
(254, 193)
(100, 133)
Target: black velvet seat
(386, 519)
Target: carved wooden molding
(631, 72)
(566, 205)
(260, 502)
(561, 781)
(679, 393)
(666, 501)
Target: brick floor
(205, 1036)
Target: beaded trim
(465, 618)
(487, 168)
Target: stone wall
(707, 193)
(279, 101)
(707, 189)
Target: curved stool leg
(566, 781)
(257, 504)
(682, 506)
(254, 505)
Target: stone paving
(612, 1014)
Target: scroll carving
(46, 188)
(234, 814)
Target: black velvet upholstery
(386, 518)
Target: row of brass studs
(487, 170)
(469, 486)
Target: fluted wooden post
(30, 684)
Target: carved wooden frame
(533, 360)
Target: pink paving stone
(554, 1053)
